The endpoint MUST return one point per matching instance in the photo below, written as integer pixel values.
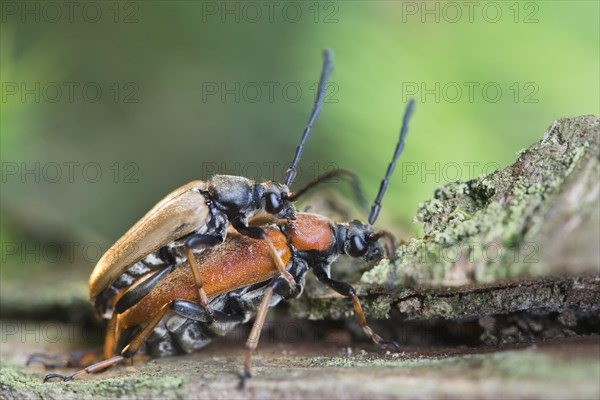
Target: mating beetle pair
(237, 272)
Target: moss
(307, 369)
(486, 229)
(575, 377)
(15, 380)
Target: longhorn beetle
(241, 280)
(195, 217)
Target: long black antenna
(337, 173)
(291, 172)
(399, 147)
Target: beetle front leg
(199, 241)
(255, 232)
(345, 289)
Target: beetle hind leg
(80, 358)
(182, 307)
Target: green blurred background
(179, 99)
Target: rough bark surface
(507, 260)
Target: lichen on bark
(499, 226)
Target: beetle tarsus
(384, 344)
(347, 290)
(244, 379)
(127, 353)
(49, 377)
(282, 287)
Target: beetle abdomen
(153, 262)
(237, 263)
(175, 334)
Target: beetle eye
(357, 246)
(273, 204)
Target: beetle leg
(266, 219)
(198, 280)
(133, 295)
(80, 358)
(176, 305)
(88, 370)
(181, 307)
(258, 233)
(283, 289)
(281, 265)
(112, 334)
(345, 289)
(135, 344)
(200, 241)
(191, 310)
(252, 341)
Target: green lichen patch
(17, 382)
(524, 364)
(492, 228)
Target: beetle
(241, 280)
(195, 217)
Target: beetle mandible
(242, 280)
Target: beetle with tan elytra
(196, 216)
(242, 281)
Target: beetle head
(361, 242)
(277, 200)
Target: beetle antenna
(338, 173)
(399, 147)
(291, 172)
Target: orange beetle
(240, 279)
